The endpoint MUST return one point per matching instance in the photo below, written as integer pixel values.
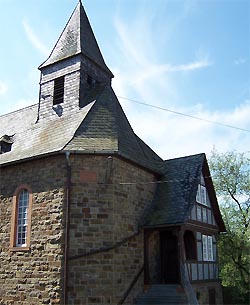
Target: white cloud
(3, 88)
(141, 75)
(173, 135)
(139, 72)
(34, 39)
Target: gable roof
(176, 192)
(106, 128)
(31, 139)
(77, 38)
(100, 127)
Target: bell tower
(74, 66)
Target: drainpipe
(66, 237)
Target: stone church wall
(108, 199)
(33, 277)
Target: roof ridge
(41, 65)
(189, 156)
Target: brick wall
(33, 277)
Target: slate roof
(31, 139)
(77, 38)
(106, 128)
(99, 127)
(176, 192)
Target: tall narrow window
(204, 247)
(21, 219)
(58, 90)
(207, 245)
(201, 196)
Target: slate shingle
(176, 192)
(33, 139)
(106, 128)
(77, 38)
(99, 127)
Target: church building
(89, 213)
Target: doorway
(212, 296)
(169, 258)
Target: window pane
(203, 195)
(204, 247)
(210, 248)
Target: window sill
(20, 249)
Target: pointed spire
(77, 38)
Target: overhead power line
(184, 114)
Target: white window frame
(201, 196)
(207, 248)
(22, 219)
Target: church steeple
(72, 69)
(77, 38)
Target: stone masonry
(34, 277)
(107, 202)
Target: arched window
(190, 245)
(21, 219)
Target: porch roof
(176, 192)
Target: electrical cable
(184, 114)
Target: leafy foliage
(231, 177)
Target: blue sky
(187, 56)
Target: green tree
(231, 176)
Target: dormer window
(58, 90)
(201, 196)
(5, 144)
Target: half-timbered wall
(206, 266)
